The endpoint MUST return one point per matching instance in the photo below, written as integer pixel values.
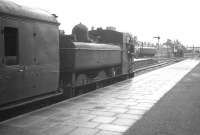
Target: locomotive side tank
(81, 56)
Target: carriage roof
(12, 9)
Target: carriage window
(11, 46)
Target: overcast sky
(173, 19)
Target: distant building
(111, 28)
(62, 32)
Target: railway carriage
(29, 56)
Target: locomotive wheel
(81, 80)
(101, 75)
(111, 72)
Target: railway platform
(163, 101)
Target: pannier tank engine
(89, 57)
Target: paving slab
(110, 110)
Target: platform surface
(177, 113)
(114, 110)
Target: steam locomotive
(38, 62)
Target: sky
(169, 19)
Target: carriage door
(11, 72)
(2, 85)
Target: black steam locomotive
(37, 61)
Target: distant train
(37, 61)
(163, 51)
(146, 51)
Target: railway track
(156, 66)
(24, 108)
